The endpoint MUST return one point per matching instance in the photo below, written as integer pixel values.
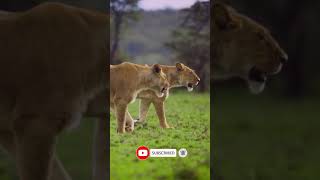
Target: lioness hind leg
(129, 122)
(143, 111)
(7, 142)
(58, 172)
(159, 107)
(34, 140)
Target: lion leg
(129, 122)
(35, 139)
(143, 111)
(7, 142)
(58, 172)
(121, 109)
(100, 157)
(159, 107)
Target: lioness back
(128, 78)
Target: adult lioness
(179, 75)
(127, 80)
(53, 60)
(243, 48)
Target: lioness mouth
(163, 90)
(256, 80)
(190, 87)
(257, 75)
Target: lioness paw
(166, 126)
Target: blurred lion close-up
(243, 48)
(53, 60)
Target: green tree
(122, 11)
(191, 41)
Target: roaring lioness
(178, 76)
(243, 48)
(127, 80)
(53, 61)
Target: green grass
(189, 114)
(265, 137)
(74, 149)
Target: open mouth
(163, 90)
(256, 80)
(190, 87)
(257, 75)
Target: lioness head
(243, 48)
(186, 76)
(159, 80)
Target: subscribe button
(144, 152)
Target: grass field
(189, 113)
(265, 137)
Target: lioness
(243, 48)
(179, 75)
(127, 80)
(53, 61)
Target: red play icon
(142, 153)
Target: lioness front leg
(34, 139)
(7, 142)
(121, 109)
(143, 110)
(159, 107)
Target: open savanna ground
(265, 137)
(189, 114)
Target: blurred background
(164, 32)
(273, 135)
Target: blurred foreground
(265, 136)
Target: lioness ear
(223, 18)
(179, 66)
(156, 68)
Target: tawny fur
(178, 76)
(127, 80)
(239, 44)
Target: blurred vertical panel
(76, 162)
(273, 135)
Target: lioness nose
(198, 80)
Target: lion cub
(126, 81)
